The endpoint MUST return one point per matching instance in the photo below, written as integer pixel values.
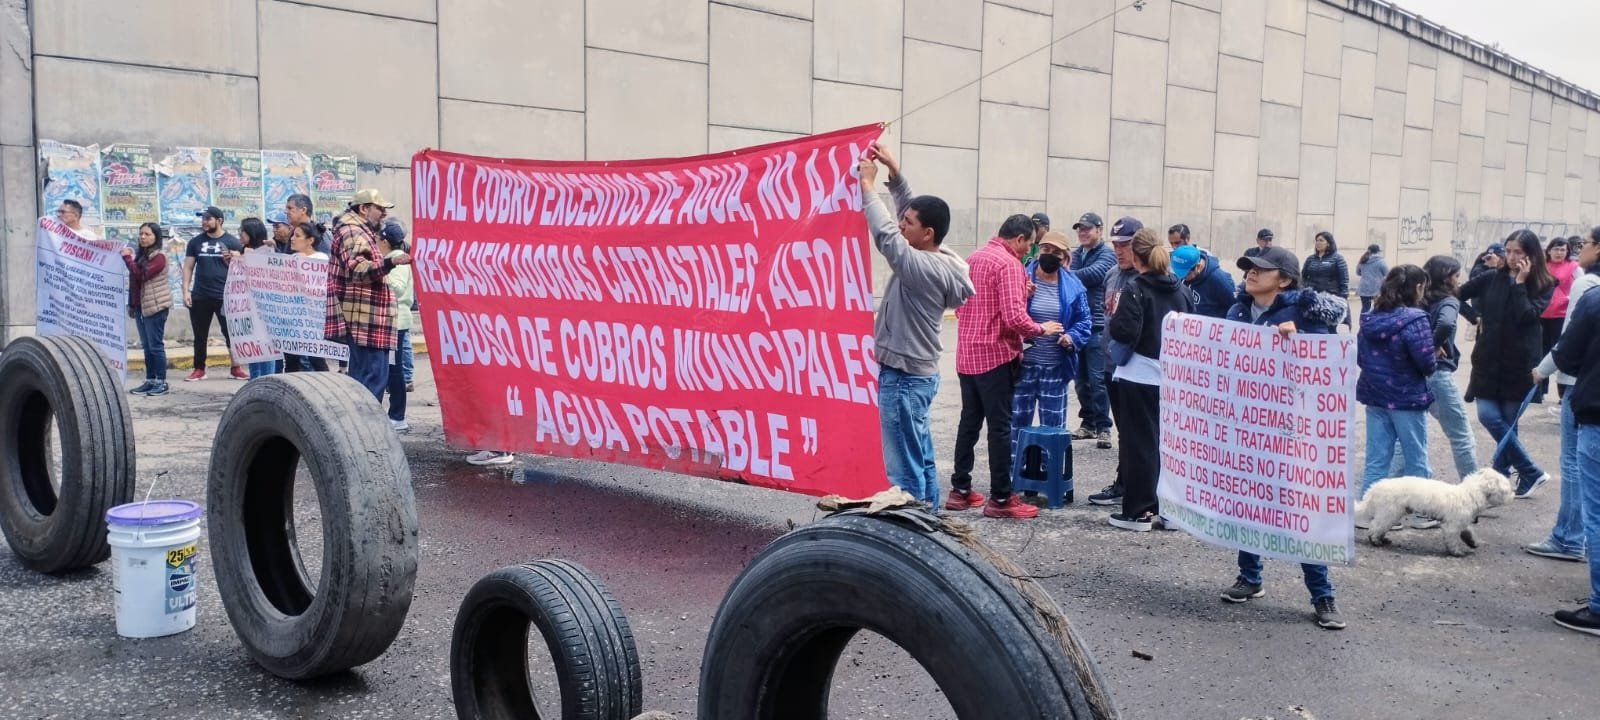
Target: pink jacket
(1565, 271)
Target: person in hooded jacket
(1140, 312)
(1510, 343)
(1325, 270)
(1395, 352)
(1049, 362)
(1213, 287)
(1444, 278)
(1271, 296)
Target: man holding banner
(928, 279)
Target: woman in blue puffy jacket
(1395, 352)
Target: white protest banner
(1256, 432)
(81, 290)
(247, 335)
(290, 296)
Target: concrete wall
(1229, 115)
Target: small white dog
(1456, 506)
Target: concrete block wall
(1228, 115)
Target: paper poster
(236, 184)
(81, 290)
(128, 192)
(247, 334)
(72, 172)
(290, 295)
(333, 184)
(284, 173)
(1256, 430)
(185, 182)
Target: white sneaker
(399, 426)
(491, 457)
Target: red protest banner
(709, 316)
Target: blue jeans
(397, 381)
(1041, 386)
(903, 402)
(1451, 412)
(1386, 429)
(370, 367)
(152, 337)
(1569, 529)
(407, 362)
(1094, 406)
(1589, 466)
(1316, 575)
(263, 368)
(1496, 416)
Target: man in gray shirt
(927, 280)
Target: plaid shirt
(991, 326)
(360, 305)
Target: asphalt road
(1430, 635)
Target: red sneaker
(198, 374)
(1010, 509)
(239, 373)
(963, 500)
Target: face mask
(1049, 263)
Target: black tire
(596, 663)
(787, 618)
(52, 530)
(369, 523)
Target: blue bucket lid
(154, 512)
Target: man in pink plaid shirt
(990, 329)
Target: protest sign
(289, 296)
(1256, 432)
(128, 193)
(247, 334)
(80, 289)
(709, 315)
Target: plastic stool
(1043, 463)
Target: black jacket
(1578, 354)
(1443, 317)
(1326, 273)
(1145, 302)
(1510, 342)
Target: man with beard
(360, 304)
(205, 272)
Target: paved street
(1430, 635)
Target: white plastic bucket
(154, 546)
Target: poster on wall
(72, 172)
(236, 184)
(284, 173)
(128, 192)
(333, 184)
(185, 181)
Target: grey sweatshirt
(923, 286)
